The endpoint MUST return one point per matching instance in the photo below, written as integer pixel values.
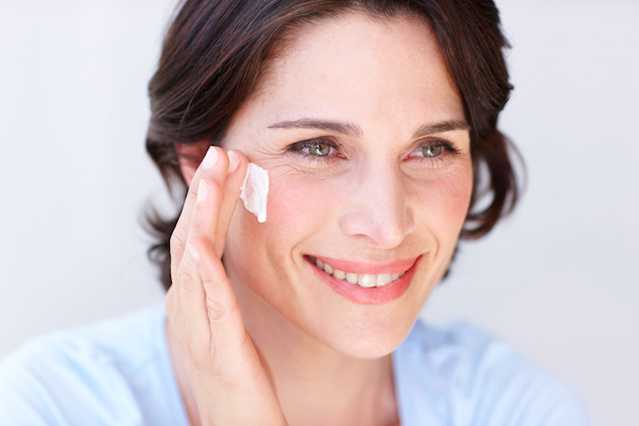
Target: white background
(558, 280)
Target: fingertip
(210, 158)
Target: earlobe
(187, 169)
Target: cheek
(445, 203)
(296, 209)
(297, 203)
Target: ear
(190, 156)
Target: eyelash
(297, 148)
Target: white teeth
(367, 280)
(363, 280)
(384, 279)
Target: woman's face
(374, 197)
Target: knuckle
(187, 280)
(219, 311)
(216, 309)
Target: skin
(388, 78)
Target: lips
(370, 295)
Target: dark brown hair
(215, 53)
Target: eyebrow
(351, 129)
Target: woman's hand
(218, 363)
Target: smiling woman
(377, 124)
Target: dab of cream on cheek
(254, 191)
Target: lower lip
(367, 296)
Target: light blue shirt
(118, 372)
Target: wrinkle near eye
(283, 164)
(267, 151)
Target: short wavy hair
(215, 53)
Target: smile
(366, 280)
(366, 288)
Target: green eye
(432, 151)
(317, 149)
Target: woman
(374, 121)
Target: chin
(366, 339)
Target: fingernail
(234, 160)
(210, 158)
(202, 190)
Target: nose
(379, 210)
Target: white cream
(254, 191)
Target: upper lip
(358, 267)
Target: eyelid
(320, 139)
(450, 146)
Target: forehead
(352, 67)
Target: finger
(216, 306)
(190, 316)
(201, 219)
(211, 177)
(228, 337)
(180, 233)
(230, 197)
(193, 315)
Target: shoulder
(484, 381)
(89, 373)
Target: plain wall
(557, 280)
